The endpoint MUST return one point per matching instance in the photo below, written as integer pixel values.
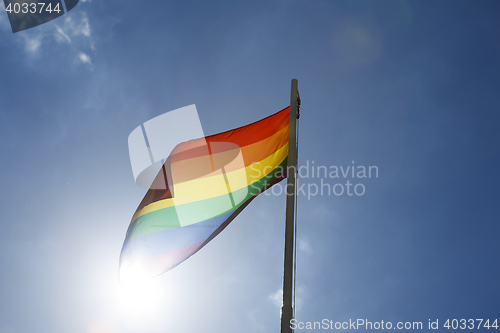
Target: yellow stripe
(213, 186)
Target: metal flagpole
(288, 278)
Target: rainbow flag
(207, 183)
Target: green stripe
(194, 212)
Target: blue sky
(408, 86)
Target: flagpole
(288, 278)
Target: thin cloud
(85, 58)
(61, 36)
(304, 245)
(79, 26)
(74, 31)
(32, 43)
(277, 298)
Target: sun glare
(132, 273)
(139, 300)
